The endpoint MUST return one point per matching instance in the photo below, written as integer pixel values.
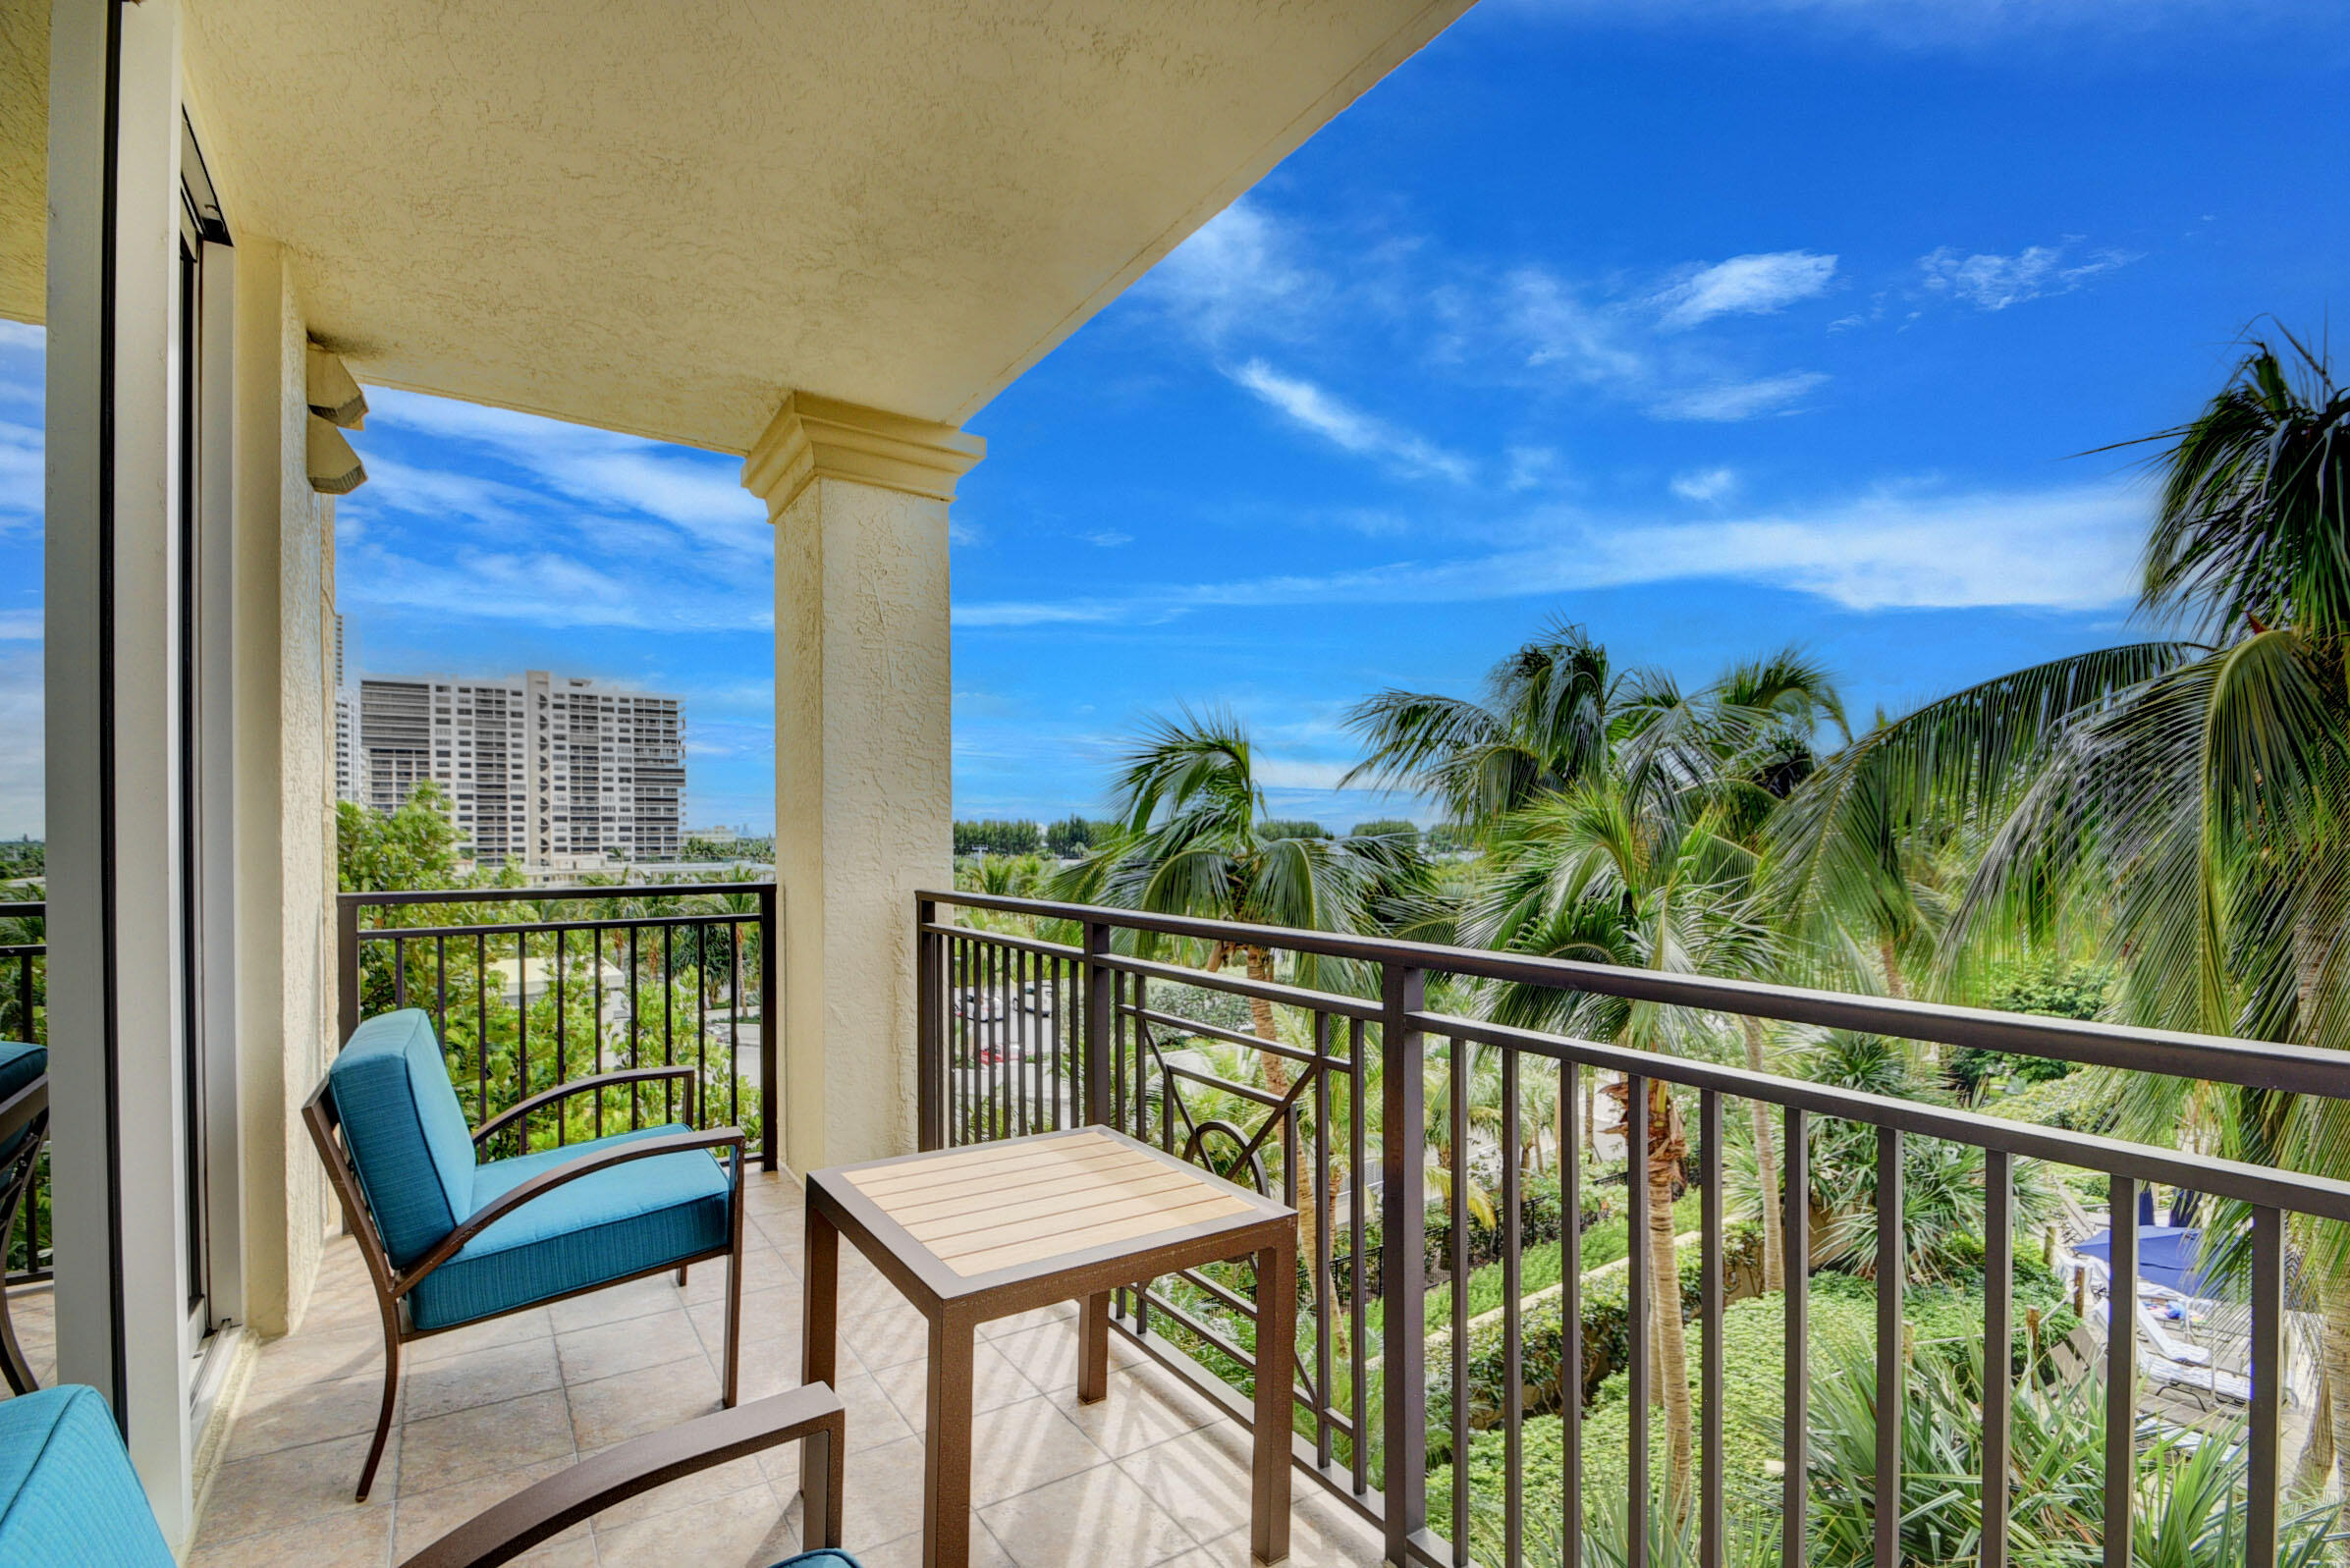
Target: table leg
(1093, 1350)
(1277, 1355)
(820, 1316)
(947, 1457)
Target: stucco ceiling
(24, 156)
(659, 215)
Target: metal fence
(24, 1013)
(533, 987)
(1019, 1033)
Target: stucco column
(864, 801)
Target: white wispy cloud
(20, 625)
(1728, 399)
(1705, 484)
(551, 588)
(2059, 548)
(22, 481)
(1350, 428)
(1242, 268)
(1992, 282)
(1752, 285)
(699, 494)
(1107, 538)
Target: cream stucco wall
(284, 587)
(24, 158)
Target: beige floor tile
(1202, 1482)
(767, 1315)
(906, 1550)
(307, 1357)
(288, 1415)
(629, 1345)
(512, 1328)
(1023, 1446)
(1140, 1412)
(1347, 1544)
(1086, 1520)
(359, 1537)
(613, 1410)
(1022, 1322)
(690, 1492)
(484, 1440)
(763, 1269)
(995, 1383)
(293, 1486)
(481, 1378)
(884, 1333)
(638, 1298)
(884, 1498)
(1047, 1353)
(751, 1528)
(419, 1519)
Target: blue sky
(1713, 326)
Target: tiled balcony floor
(1153, 1476)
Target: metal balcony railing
(24, 1005)
(1020, 1034)
(533, 987)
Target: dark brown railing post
(930, 1068)
(347, 968)
(1403, 1260)
(1099, 980)
(769, 954)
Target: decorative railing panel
(1402, 1132)
(533, 987)
(24, 1016)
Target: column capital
(823, 438)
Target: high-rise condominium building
(551, 772)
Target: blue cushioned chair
(23, 1130)
(451, 1239)
(68, 1497)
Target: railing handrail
(370, 900)
(2244, 1064)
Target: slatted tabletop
(1003, 1205)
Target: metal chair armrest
(811, 1412)
(579, 1086)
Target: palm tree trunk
(1666, 1147)
(1766, 1168)
(2335, 1350)
(2317, 1450)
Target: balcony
(1035, 1016)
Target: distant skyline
(1714, 325)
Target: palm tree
(2187, 799)
(1587, 873)
(1558, 714)
(1194, 838)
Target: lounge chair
(68, 1497)
(451, 1239)
(23, 1131)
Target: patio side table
(988, 1230)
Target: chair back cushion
(405, 1132)
(68, 1497)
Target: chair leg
(13, 1363)
(733, 1356)
(682, 1268)
(383, 1418)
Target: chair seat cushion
(20, 1064)
(821, 1557)
(626, 1221)
(68, 1496)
